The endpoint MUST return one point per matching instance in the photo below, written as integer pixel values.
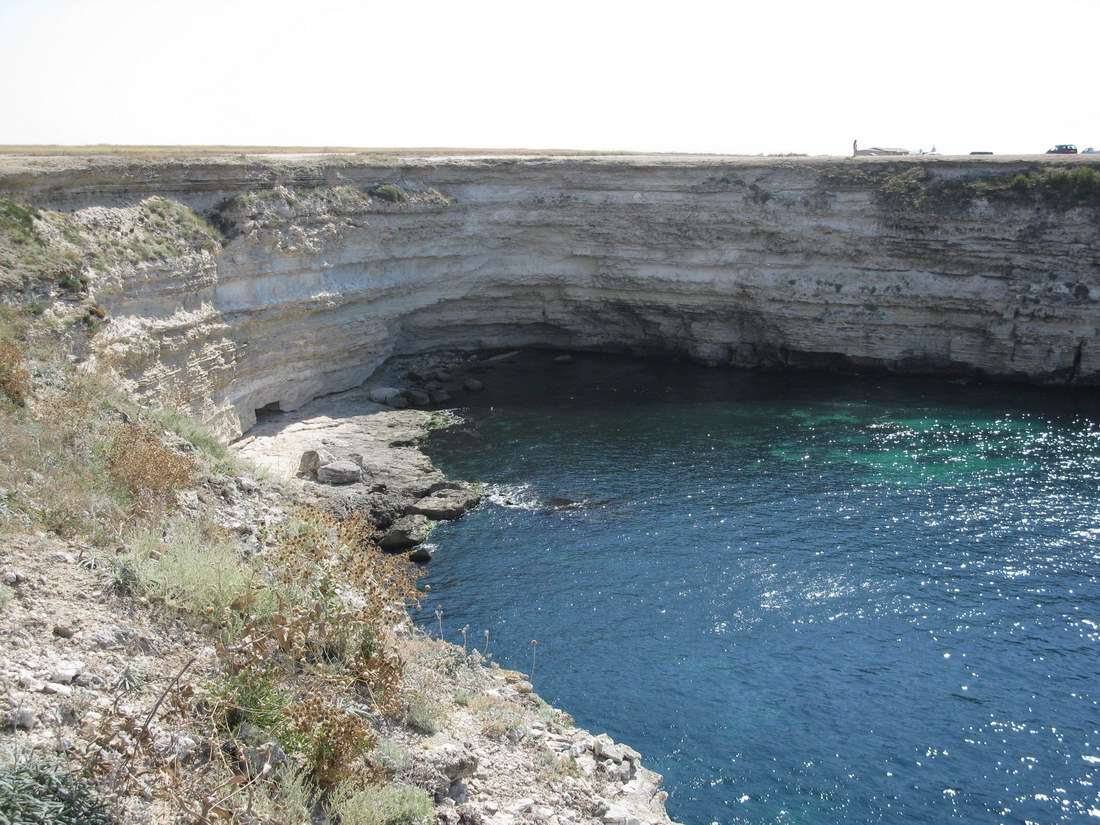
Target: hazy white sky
(687, 76)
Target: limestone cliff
(331, 265)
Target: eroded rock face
(797, 262)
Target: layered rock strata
(332, 265)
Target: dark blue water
(804, 598)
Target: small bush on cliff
(390, 805)
(388, 192)
(15, 379)
(146, 468)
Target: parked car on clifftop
(1063, 149)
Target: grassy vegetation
(40, 794)
(388, 192)
(306, 652)
(40, 245)
(390, 805)
(911, 189)
(278, 201)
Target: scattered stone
(22, 719)
(64, 672)
(12, 577)
(64, 631)
(57, 689)
(473, 385)
(313, 460)
(443, 375)
(438, 396)
(339, 472)
(246, 485)
(563, 359)
(407, 531)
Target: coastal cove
(804, 597)
(780, 471)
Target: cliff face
(945, 265)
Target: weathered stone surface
(406, 532)
(339, 472)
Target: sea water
(805, 598)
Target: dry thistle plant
(149, 470)
(15, 379)
(311, 671)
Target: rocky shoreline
(384, 475)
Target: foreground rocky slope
(328, 266)
(182, 641)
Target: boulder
(473, 385)
(383, 395)
(406, 532)
(339, 472)
(312, 461)
(417, 397)
(446, 504)
(421, 553)
(439, 396)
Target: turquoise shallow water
(804, 598)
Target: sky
(733, 77)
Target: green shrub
(423, 716)
(385, 805)
(33, 794)
(388, 192)
(391, 757)
(288, 800)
